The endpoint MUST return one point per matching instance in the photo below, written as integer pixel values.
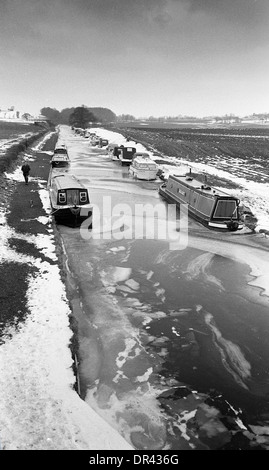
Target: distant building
(12, 114)
(9, 113)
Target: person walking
(26, 170)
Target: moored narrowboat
(126, 154)
(212, 207)
(60, 161)
(60, 157)
(69, 198)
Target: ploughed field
(227, 148)
(12, 130)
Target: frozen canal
(173, 344)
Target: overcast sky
(142, 57)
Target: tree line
(82, 113)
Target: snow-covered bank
(5, 144)
(39, 407)
(117, 138)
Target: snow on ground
(251, 193)
(115, 137)
(41, 143)
(7, 143)
(258, 261)
(39, 408)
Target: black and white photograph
(134, 228)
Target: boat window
(83, 196)
(226, 208)
(183, 193)
(62, 198)
(204, 204)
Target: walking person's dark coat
(26, 170)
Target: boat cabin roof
(192, 183)
(144, 159)
(60, 158)
(61, 150)
(65, 181)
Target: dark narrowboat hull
(71, 215)
(206, 221)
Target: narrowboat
(126, 154)
(60, 157)
(69, 198)
(143, 168)
(212, 207)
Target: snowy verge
(39, 409)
